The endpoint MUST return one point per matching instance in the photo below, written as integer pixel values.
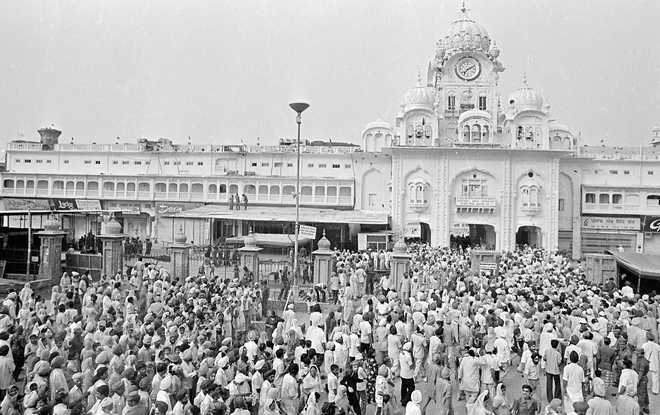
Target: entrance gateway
(474, 235)
(530, 236)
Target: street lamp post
(298, 107)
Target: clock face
(468, 68)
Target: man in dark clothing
(351, 380)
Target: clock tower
(464, 74)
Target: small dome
(420, 95)
(378, 124)
(324, 243)
(400, 247)
(112, 227)
(250, 241)
(474, 113)
(554, 125)
(465, 34)
(52, 224)
(494, 51)
(526, 98)
(180, 237)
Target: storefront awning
(270, 239)
(645, 265)
(285, 214)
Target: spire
(524, 80)
(419, 76)
(464, 8)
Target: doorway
(529, 235)
(474, 235)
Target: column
(323, 261)
(112, 254)
(249, 255)
(400, 262)
(50, 255)
(180, 251)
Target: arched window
(233, 188)
(173, 188)
(466, 133)
(8, 184)
(476, 133)
(183, 188)
(250, 189)
(213, 189)
(161, 187)
(533, 196)
(197, 188)
(223, 188)
(130, 187)
(524, 199)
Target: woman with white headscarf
(412, 407)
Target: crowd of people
(442, 340)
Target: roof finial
(419, 76)
(524, 79)
(464, 8)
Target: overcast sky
(221, 71)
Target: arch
(306, 190)
(130, 187)
(466, 133)
(80, 187)
(213, 188)
(288, 190)
(373, 189)
(9, 184)
(173, 188)
(107, 186)
(183, 188)
(233, 189)
(368, 142)
(470, 171)
(42, 185)
(20, 184)
(250, 189)
(529, 235)
(161, 188)
(222, 188)
(274, 190)
(58, 186)
(144, 187)
(69, 187)
(29, 185)
(197, 188)
(332, 191)
(92, 187)
(475, 133)
(121, 187)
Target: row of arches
(476, 133)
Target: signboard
(306, 231)
(26, 204)
(460, 229)
(170, 208)
(652, 224)
(88, 204)
(413, 230)
(611, 223)
(62, 204)
(476, 202)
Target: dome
(466, 34)
(180, 237)
(324, 243)
(378, 124)
(400, 247)
(474, 113)
(554, 125)
(250, 241)
(112, 227)
(420, 95)
(52, 224)
(526, 98)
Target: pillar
(180, 251)
(249, 255)
(400, 263)
(112, 253)
(324, 261)
(50, 255)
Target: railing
(197, 196)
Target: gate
(268, 268)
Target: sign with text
(88, 204)
(306, 231)
(652, 224)
(610, 223)
(62, 204)
(26, 204)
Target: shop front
(651, 239)
(603, 233)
